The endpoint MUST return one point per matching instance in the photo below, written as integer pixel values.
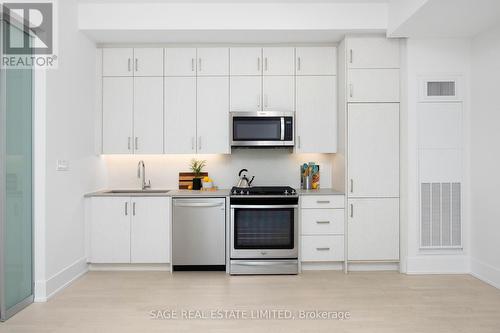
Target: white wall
(69, 134)
(430, 57)
(270, 167)
(485, 159)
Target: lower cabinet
(129, 230)
(373, 229)
(322, 228)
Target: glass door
(16, 252)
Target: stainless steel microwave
(262, 129)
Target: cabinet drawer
(322, 248)
(323, 201)
(322, 221)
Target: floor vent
(440, 216)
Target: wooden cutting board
(186, 179)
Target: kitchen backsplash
(270, 167)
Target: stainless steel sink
(137, 191)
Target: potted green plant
(197, 168)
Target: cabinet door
(373, 150)
(213, 115)
(279, 93)
(246, 93)
(148, 62)
(373, 52)
(373, 229)
(278, 60)
(117, 61)
(180, 62)
(110, 230)
(316, 60)
(373, 85)
(246, 61)
(180, 115)
(213, 61)
(316, 115)
(117, 109)
(148, 115)
(150, 230)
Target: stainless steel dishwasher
(199, 234)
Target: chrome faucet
(144, 186)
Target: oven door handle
(264, 263)
(264, 206)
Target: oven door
(264, 231)
(261, 129)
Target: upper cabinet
(117, 61)
(373, 52)
(206, 61)
(132, 62)
(213, 61)
(373, 85)
(180, 62)
(246, 61)
(316, 60)
(278, 60)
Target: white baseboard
(322, 266)
(485, 273)
(372, 266)
(438, 264)
(46, 289)
(129, 267)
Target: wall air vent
(440, 216)
(441, 88)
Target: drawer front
(322, 248)
(322, 221)
(323, 201)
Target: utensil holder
(307, 182)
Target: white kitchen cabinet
(129, 230)
(117, 119)
(373, 85)
(213, 115)
(316, 114)
(373, 150)
(278, 93)
(148, 115)
(373, 229)
(278, 60)
(213, 61)
(149, 231)
(117, 62)
(148, 61)
(246, 93)
(180, 115)
(319, 248)
(322, 221)
(110, 230)
(180, 62)
(246, 61)
(316, 60)
(372, 52)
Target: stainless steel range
(264, 230)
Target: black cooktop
(263, 190)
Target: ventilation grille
(440, 88)
(441, 218)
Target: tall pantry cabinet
(369, 115)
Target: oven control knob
(248, 192)
(242, 192)
(286, 192)
(293, 192)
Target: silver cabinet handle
(199, 142)
(323, 249)
(126, 208)
(199, 64)
(192, 64)
(323, 222)
(128, 64)
(350, 56)
(323, 201)
(352, 210)
(265, 64)
(258, 101)
(298, 63)
(266, 101)
(136, 143)
(298, 141)
(351, 90)
(258, 64)
(136, 64)
(128, 143)
(352, 185)
(192, 143)
(133, 209)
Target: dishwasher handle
(198, 204)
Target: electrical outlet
(62, 165)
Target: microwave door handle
(282, 138)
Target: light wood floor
(378, 302)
